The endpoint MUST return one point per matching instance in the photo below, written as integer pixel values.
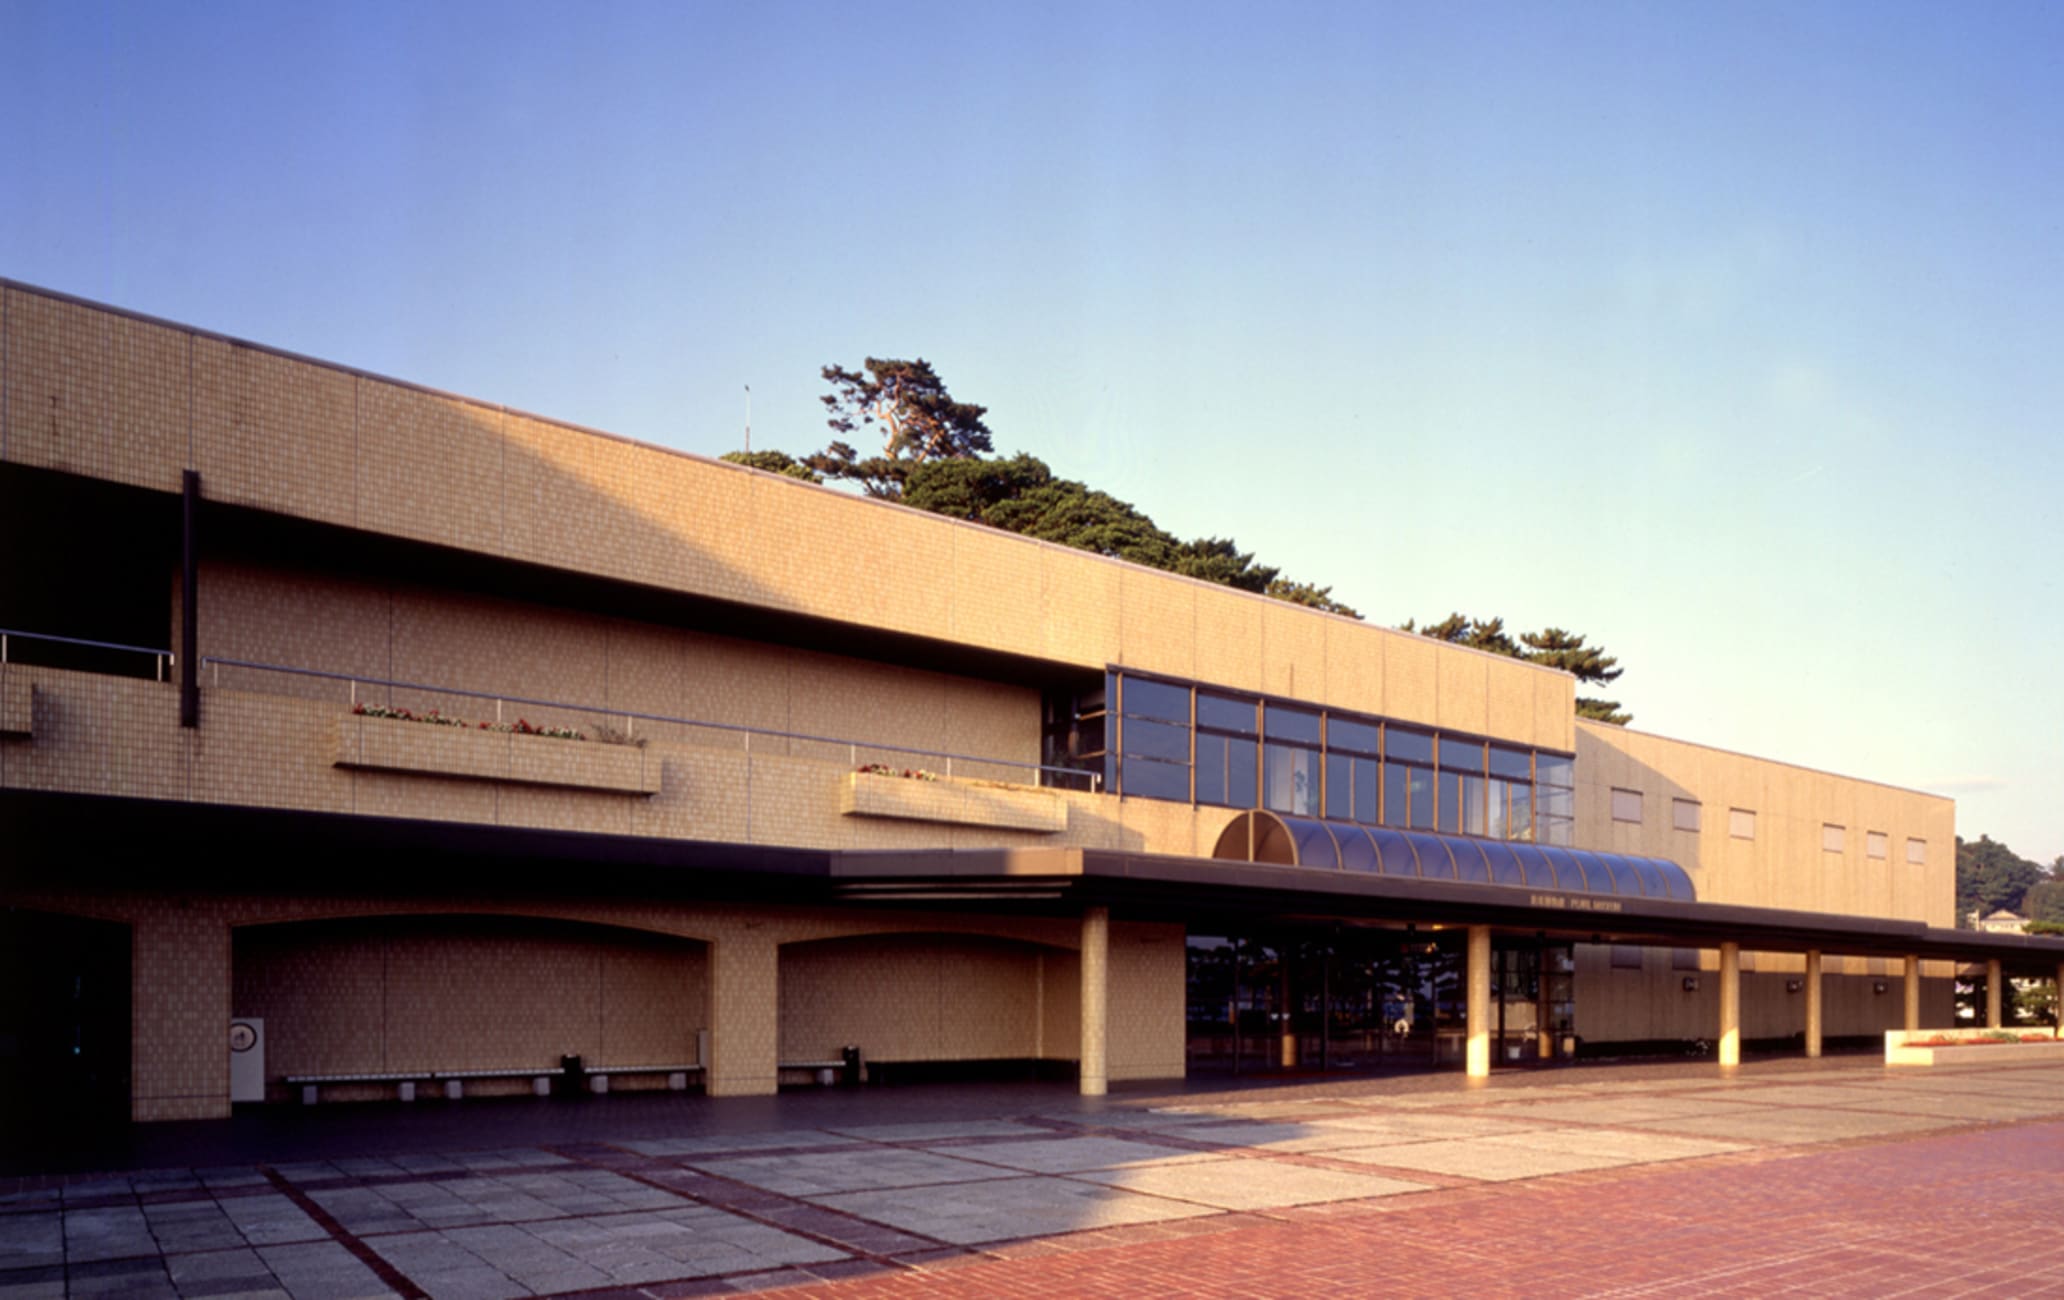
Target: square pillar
(1992, 994)
(179, 1002)
(1479, 1005)
(1813, 1006)
(1730, 1003)
(1913, 994)
(744, 1011)
(1096, 975)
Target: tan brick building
(237, 580)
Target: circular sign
(242, 1038)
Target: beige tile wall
(95, 391)
(466, 992)
(1784, 865)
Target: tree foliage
(1021, 494)
(907, 403)
(774, 462)
(1990, 876)
(2044, 901)
(1552, 646)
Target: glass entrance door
(1533, 994)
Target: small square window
(1684, 959)
(1833, 838)
(1626, 956)
(1877, 844)
(1626, 805)
(1684, 814)
(1917, 852)
(1741, 823)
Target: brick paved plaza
(1840, 1178)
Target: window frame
(1735, 824)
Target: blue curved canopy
(1285, 840)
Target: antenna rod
(748, 417)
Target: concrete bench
(677, 1075)
(311, 1085)
(826, 1071)
(455, 1081)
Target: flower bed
(880, 791)
(1968, 1046)
(520, 727)
(373, 739)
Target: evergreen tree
(774, 462)
(1989, 877)
(1552, 646)
(918, 419)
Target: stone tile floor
(1828, 1180)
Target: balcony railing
(10, 636)
(857, 752)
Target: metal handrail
(217, 663)
(163, 657)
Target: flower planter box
(17, 705)
(961, 803)
(1971, 1052)
(393, 745)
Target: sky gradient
(1727, 335)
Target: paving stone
(112, 1232)
(1057, 1155)
(128, 1279)
(31, 1240)
(323, 1270)
(270, 1219)
(45, 1282)
(943, 1129)
(222, 1273)
(1250, 1184)
(840, 1171)
(1009, 1208)
(1791, 1126)
(1271, 1136)
(190, 1226)
(719, 1144)
(1489, 1159)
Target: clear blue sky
(1727, 334)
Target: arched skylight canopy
(1285, 840)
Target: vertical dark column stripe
(189, 600)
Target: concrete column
(745, 1015)
(1286, 1031)
(2060, 999)
(1813, 1008)
(1992, 995)
(1479, 1025)
(1730, 1003)
(1096, 974)
(1913, 994)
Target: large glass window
(1290, 780)
(1155, 736)
(1509, 815)
(1174, 741)
(1227, 749)
(1354, 771)
(1555, 799)
(1407, 779)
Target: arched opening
(933, 1006)
(467, 992)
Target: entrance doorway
(64, 1028)
(1367, 999)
